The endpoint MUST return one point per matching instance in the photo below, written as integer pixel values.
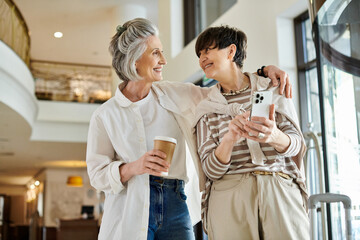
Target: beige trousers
(247, 206)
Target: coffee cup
(166, 145)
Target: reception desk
(78, 229)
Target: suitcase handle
(331, 198)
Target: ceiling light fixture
(58, 34)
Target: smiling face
(217, 44)
(149, 65)
(214, 61)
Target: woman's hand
(264, 130)
(277, 75)
(236, 127)
(236, 131)
(152, 162)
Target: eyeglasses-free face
(151, 63)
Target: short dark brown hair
(222, 37)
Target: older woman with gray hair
(140, 203)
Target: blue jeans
(169, 216)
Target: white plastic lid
(168, 139)
(164, 174)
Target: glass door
(337, 27)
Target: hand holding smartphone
(261, 102)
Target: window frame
(303, 67)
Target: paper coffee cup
(166, 145)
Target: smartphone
(261, 102)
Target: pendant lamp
(74, 181)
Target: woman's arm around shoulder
(278, 77)
(188, 93)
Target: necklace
(233, 93)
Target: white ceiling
(88, 26)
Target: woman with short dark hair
(252, 168)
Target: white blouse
(117, 135)
(160, 122)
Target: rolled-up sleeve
(102, 162)
(211, 166)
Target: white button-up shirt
(117, 136)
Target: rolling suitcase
(329, 198)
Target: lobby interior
(50, 86)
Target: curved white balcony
(17, 86)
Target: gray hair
(128, 45)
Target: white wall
(64, 202)
(267, 35)
(171, 26)
(286, 45)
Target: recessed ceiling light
(58, 34)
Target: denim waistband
(167, 182)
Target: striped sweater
(212, 127)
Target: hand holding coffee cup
(166, 145)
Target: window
(199, 14)
(310, 109)
(329, 95)
(307, 74)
